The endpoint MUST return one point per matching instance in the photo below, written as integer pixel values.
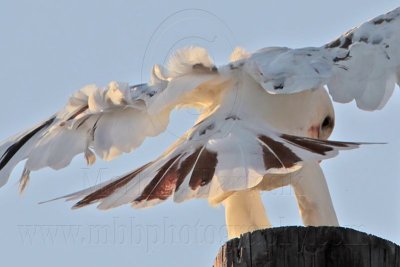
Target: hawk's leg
(244, 212)
(313, 197)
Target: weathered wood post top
(308, 246)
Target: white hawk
(264, 121)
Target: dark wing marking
(17, 145)
(310, 145)
(163, 184)
(204, 169)
(276, 154)
(200, 166)
(110, 188)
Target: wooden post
(308, 246)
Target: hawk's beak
(314, 132)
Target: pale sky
(48, 50)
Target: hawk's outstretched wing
(222, 153)
(108, 121)
(362, 65)
(230, 148)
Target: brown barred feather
(204, 169)
(307, 144)
(110, 188)
(280, 153)
(163, 184)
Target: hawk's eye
(328, 121)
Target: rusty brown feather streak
(307, 144)
(276, 154)
(201, 165)
(170, 176)
(110, 188)
(204, 169)
(162, 184)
